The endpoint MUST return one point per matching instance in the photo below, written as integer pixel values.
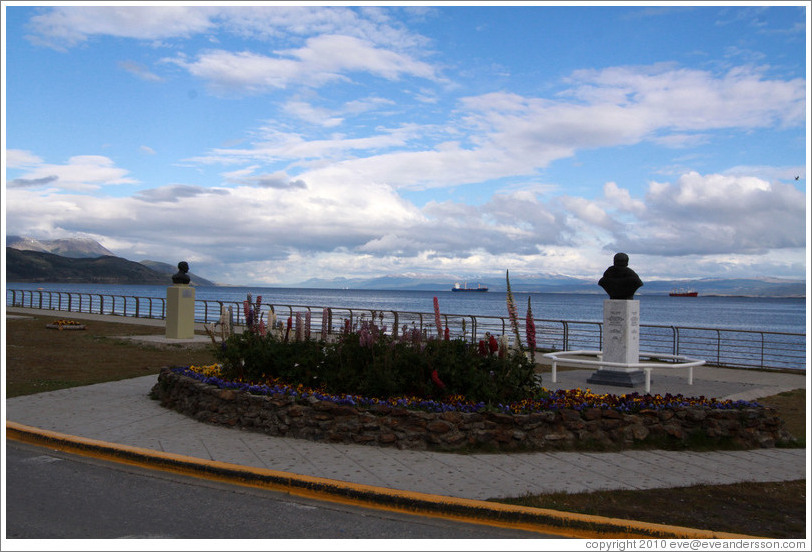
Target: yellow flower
(210, 370)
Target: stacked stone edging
(384, 425)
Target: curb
(563, 524)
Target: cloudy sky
(269, 144)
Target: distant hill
(76, 248)
(36, 266)
(113, 269)
(752, 287)
(167, 270)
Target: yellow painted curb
(564, 524)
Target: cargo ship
(683, 293)
(458, 287)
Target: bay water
(772, 314)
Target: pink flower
(325, 322)
(512, 312)
(530, 329)
(299, 327)
(437, 321)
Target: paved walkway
(122, 413)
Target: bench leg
(648, 379)
(555, 377)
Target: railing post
(565, 336)
(674, 340)
(600, 336)
(718, 347)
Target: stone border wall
(383, 425)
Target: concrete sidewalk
(122, 413)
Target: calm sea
(742, 313)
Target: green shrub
(372, 363)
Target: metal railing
(720, 347)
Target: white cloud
(621, 199)
(139, 71)
(17, 159)
(82, 172)
(62, 27)
(356, 228)
(718, 214)
(323, 60)
(313, 115)
(689, 99)
(340, 53)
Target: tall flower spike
(530, 329)
(512, 312)
(437, 321)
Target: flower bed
(565, 420)
(65, 325)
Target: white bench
(677, 361)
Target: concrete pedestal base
(180, 312)
(617, 378)
(621, 344)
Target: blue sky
(269, 144)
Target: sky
(271, 143)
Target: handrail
(722, 347)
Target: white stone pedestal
(180, 311)
(620, 344)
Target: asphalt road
(53, 495)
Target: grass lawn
(41, 359)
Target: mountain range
(752, 287)
(83, 260)
(75, 248)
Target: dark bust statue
(181, 276)
(620, 281)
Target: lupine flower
(299, 327)
(447, 335)
(271, 319)
(307, 326)
(437, 321)
(248, 312)
(530, 329)
(365, 338)
(326, 323)
(503, 346)
(512, 312)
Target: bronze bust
(181, 276)
(620, 281)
